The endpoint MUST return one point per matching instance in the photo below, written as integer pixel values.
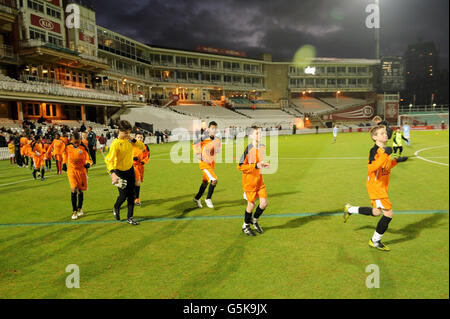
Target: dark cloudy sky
(336, 28)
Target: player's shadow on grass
(301, 221)
(412, 231)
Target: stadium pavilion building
(94, 74)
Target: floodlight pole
(377, 34)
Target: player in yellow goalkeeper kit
(119, 163)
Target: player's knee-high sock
(258, 213)
(247, 219)
(137, 191)
(42, 172)
(73, 197)
(361, 210)
(201, 191)
(401, 150)
(210, 191)
(80, 200)
(34, 174)
(382, 226)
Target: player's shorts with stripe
(139, 172)
(208, 175)
(383, 203)
(253, 195)
(78, 179)
(58, 157)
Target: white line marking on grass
(430, 148)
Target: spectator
(92, 139)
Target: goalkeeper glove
(87, 165)
(64, 167)
(142, 163)
(135, 159)
(121, 183)
(388, 150)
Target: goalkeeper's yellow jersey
(120, 155)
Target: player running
(397, 142)
(206, 149)
(253, 185)
(407, 133)
(38, 154)
(56, 150)
(335, 132)
(140, 158)
(76, 161)
(119, 163)
(379, 171)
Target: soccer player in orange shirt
(48, 159)
(64, 138)
(38, 154)
(56, 149)
(140, 158)
(205, 149)
(24, 148)
(379, 172)
(76, 161)
(250, 165)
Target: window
(35, 5)
(140, 71)
(341, 69)
(192, 61)
(352, 69)
(226, 65)
(181, 60)
(56, 40)
(36, 34)
(56, 13)
(362, 70)
(331, 69)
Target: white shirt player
(406, 129)
(335, 131)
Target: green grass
(179, 251)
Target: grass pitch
(180, 251)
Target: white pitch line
(427, 160)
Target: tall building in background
(392, 75)
(422, 73)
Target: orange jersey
(37, 150)
(65, 139)
(207, 147)
(26, 149)
(57, 146)
(379, 172)
(76, 157)
(23, 141)
(143, 156)
(252, 179)
(86, 143)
